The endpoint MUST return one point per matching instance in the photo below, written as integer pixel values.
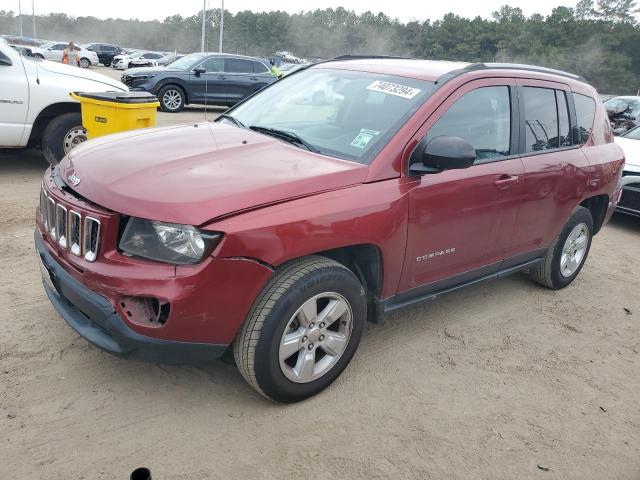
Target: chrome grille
(90, 238)
(81, 235)
(61, 225)
(75, 230)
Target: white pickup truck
(35, 106)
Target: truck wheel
(171, 98)
(61, 135)
(568, 252)
(85, 63)
(302, 330)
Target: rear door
(461, 221)
(555, 170)
(212, 86)
(14, 99)
(262, 76)
(242, 79)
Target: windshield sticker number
(363, 138)
(393, 89)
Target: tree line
(597, 40)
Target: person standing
(70, 55)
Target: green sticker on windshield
(363, 138)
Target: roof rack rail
(365, 57)
(520, 66)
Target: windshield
(633, 134)
(346, 114)
(185, 63)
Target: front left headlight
(167, 242)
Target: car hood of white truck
(83, 73)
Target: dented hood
(192, 174)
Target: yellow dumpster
(111, 112)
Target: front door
(14, 100)
(461, 221)
(212, 86)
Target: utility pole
(33, 17)
(221, 26)
(204, 19)
(20, 16)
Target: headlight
(141, 77)
(167, 242)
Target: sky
(405, 10)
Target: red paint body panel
(275, 202)
(217, 170)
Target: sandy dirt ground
(503, 380)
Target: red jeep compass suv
(346, 190)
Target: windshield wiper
(233, 119)
(285, 135)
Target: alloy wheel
(315, 337)
(574, 250)
(172, 99)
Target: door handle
(253, 78)
(505, 181)
(222, 77)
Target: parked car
(215, 78)
(36, 107)
(105, 51)
(149, 59)
(169, 58)
(24, 50)
(624, 113)
(630, 201)
(280, 229)
(121, 61)
(54, 51)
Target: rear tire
(62, 134)
(302, 330)
(568, 252)
(85, 63)
(172, 98)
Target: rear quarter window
(585, 112)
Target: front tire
(172, 98)
(85, 63)
(567, 254)
(61, 135)
(302, 330)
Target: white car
(54, 50)
(630, 144)
(35, 106)
(121, 62)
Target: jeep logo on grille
(74, 179)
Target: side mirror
(200, 70)
(442, 153)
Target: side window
(236, 65)
(58, 46)
(92, 48)
(482, 117)
(541, 119)
(213, 64)
(563, 119)
(585, 111)
(259, 67)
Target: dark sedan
(212, 78)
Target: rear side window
(563, 119)
(235, 65)
(259, 67)
(541, 119)
(585, 111)
(482, 117)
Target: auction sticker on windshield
(363, 138)
(393, 89)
